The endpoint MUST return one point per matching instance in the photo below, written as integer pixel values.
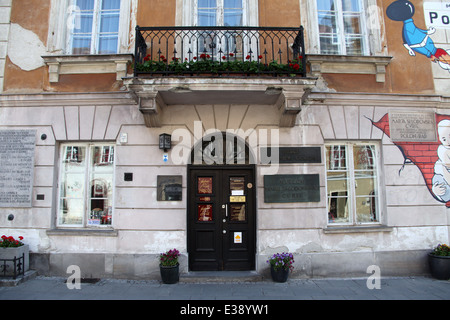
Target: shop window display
(352, 183)
(86, 185)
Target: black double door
(221, 218)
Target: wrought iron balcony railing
(219, 51)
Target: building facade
(328, 140)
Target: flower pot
(170, 274)
(439, 266)
(7, 268)
(280, 275)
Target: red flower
(195, 58)
(260, 57)
(20, 238)
(162, 57)
(203, 56)
(231, 54)
(147, 57)
(224, 58)
(248, 57)
(208, 56)
(296, 66)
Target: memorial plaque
(169, 188)
(292, 155)
(412, 126)
(291, 188)
(16, 168)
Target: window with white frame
(95, 27)
(228, 13)
(86, 185)
(342, 27)
(85, 27)
(352, 183)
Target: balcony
(219, 51)
(219, 65)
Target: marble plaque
(16, 168)
(412, 126)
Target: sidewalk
(408, 288)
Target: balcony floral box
(11, 249)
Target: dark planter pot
(170, 275)
(439, 266)
(280, 275)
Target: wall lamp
(165, 141)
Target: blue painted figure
(415, 39)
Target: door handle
(225, 206)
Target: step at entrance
(221, 276)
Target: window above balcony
(89, 37)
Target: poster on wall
(431, 157)
(416, 39)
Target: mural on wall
(431, 157)
(417, 40)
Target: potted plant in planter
(11, 249)
(439, 261)
(280, 265)
(169, 266)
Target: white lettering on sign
(437, 14)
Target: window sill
(323, 63)
(83, 232)
(87, 64)
(357, 229)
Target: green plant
(10, 242)
(227, 64)
(169, 258)
(441, 250)
(282, 261)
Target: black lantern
(165, 141)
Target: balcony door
(221, 13)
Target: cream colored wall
(146, 226)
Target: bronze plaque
(283, 188)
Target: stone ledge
(322, 63)
(87, 64)
(285, 94)
(79, 232)
(357, 229)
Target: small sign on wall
(412, 126)
(437, 14)
(169, 188)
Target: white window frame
(187, 13)
(373, 26)
(87, 182)
(353, 221)
(95, 31)
(59, 25)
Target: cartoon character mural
(415, 39)
(432, 158)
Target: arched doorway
(221, 208)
